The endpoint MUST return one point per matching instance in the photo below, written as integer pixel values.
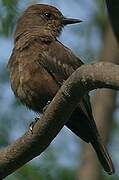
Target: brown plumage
(40, 63)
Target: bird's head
(42, 19)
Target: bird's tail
(86, 129)
(103, 155)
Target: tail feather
(103, 155)
(86, 129)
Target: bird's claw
(46, 106)
(31, 126)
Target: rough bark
(103, 108)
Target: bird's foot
(31, 126)
(46, 106)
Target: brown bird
(40, 63)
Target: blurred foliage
(30, 172)
(48, 168)
(3, 73)
(100, 16)
(8, 16)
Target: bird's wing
(60, 62)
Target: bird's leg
(46, 106)
(33, 123)
(37, 118)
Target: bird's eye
(48, 16)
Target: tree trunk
(103, 107)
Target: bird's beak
(66, 21)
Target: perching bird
(40, 63)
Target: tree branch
(30, 145)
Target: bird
(40, 63)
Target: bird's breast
(33, 85)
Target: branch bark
(30, 145)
